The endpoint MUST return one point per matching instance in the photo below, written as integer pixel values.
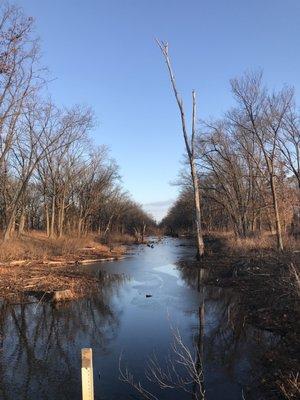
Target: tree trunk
(80, 221)
(108, 226)
(22, 223)
(52, 226)
(137, 235)
(47, 219)
(189, 144)
(143, 232)
(10, 228)
(200, 243)
(61, 217)
(276, 212)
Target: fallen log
(63, 295)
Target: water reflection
(228, 344)
(40, 344)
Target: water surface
(40, 344)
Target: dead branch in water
(182, 371)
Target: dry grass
(119, 238)
(37, 246)
(42, 265)
(290, 386)
(44, 281)
(264, 241)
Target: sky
(102, 53)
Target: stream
(141, 300)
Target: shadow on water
(40, 343)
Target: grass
(37, 246)
(263, 241)
(119, 238)
(34, 263)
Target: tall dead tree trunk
(190, 147)
(200, 243)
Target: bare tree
(182, 371)
(19, 72)
(41, 132)
(289, 142)
(262, 115)
(189, 145)
(247, 161)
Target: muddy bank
(269, 288)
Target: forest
(202, 304)
(54, 178)
(248, 167)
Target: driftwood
(17, 263)
(96, 260)
(63, 295)
(55, 296)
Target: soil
(268, 283)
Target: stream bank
(269, 287)
(135, 301)
(58, 275)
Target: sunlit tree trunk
(52, 225)
(276, 213)
(47, 219)
(190, 147)
(22, 222)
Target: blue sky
(102, 53)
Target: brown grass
(264, 241)
(290, 386)
(37, 246)
(118, 238)
(42, 265)
(44, 281)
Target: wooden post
(87, 376)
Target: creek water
(40, 344)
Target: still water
(40, 344)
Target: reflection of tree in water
(40, 343)
(229, 340)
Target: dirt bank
(37, 265)
(269, 287)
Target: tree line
(248, 165)
(52, 176)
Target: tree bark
(200, 243)
(22, 223)
(276, 212)
(61, 217)
(80, 222)
(10, 226)
(47, 220)
(52, 226)
(189, 145)
(143, 233)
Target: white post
(87, 376)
